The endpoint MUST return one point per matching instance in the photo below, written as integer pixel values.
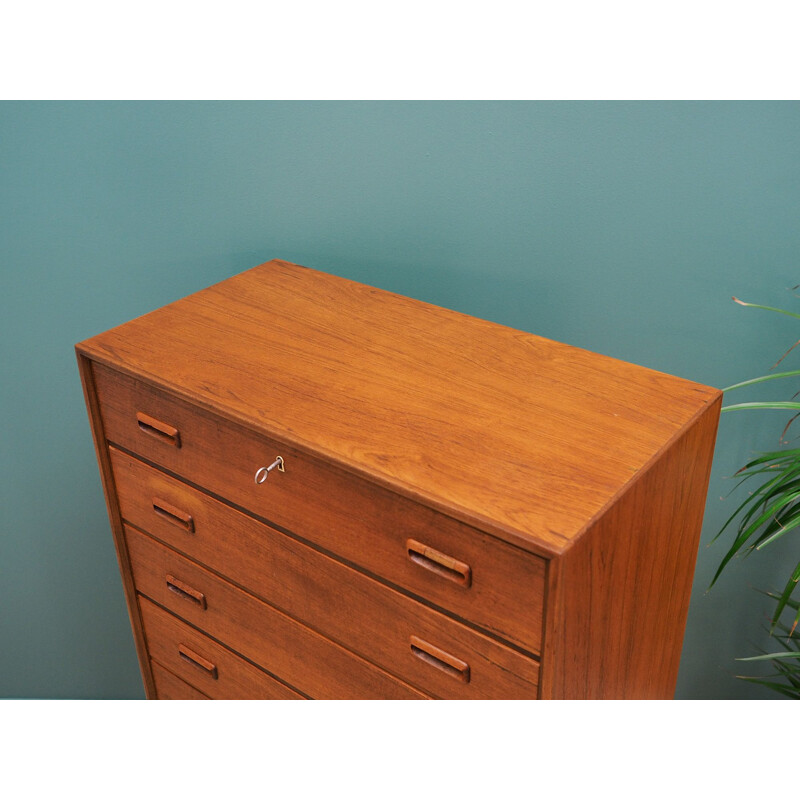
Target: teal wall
(624, 228)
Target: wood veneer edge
(115, 519)
(518, 538)
(581, 641)
(551, 576)
(654, 460)
(553, 543)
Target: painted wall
(624, 228)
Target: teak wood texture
(455, 509)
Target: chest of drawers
(318, 489)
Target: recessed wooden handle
(173, 515)
(186, 592)
(158, 429)
(193, 658)
(439, 563)
(449, 664)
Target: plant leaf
(763, 378)
(791, 584)
(766, 308)
(770, 656)
(744, 535)
(795, 604)
(776, 687)
(783, 527)
(779, 404)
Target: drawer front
(359, 613)
(171, 687)
(312, 664)
(202, 663)
(477, 577)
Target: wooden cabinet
(319, 489)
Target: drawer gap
(226, 645)
(483, 630)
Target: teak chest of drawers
(322, 490)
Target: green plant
(767, 514)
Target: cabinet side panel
(96, 424)
(619, 598)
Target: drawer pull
(450, 665)
(173, 515)
(159, 430)
(193, 658)
(262, 473)
(444, 565)
(186, 592)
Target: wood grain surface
(354, 519)
(463, 510)
(171, 687)
(311, 663)
(364, 615)
(618, 600)
(233, 678)
(516, 434)
(115, 518)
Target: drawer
(362, 614)
(493, 584)
(202, 663)
(311, 663)
(171, 687)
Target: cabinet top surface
(522, 436)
